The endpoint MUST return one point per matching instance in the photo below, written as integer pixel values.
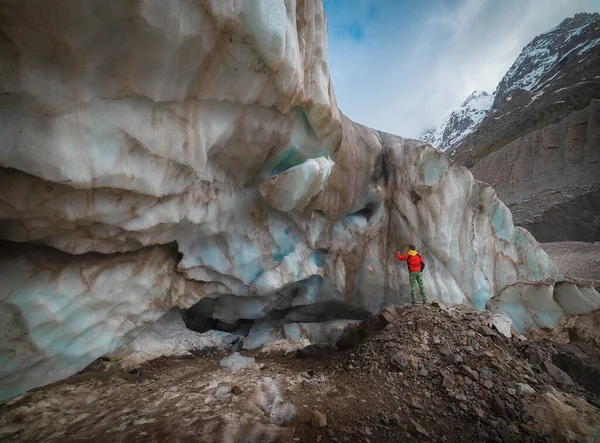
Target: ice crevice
(286, 215)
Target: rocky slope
(166, 156)
(434, 374)
(576, 259)
(538, 145)
(549, 178)
(461, 122)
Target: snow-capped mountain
(460, 122)
(538, 143)
(556, 73)
(543, 62)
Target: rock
(485, 373)
(460, 397)
(283, 346)
(470, 372)
(415, 404)
(484, 330)
(447, 381)
(395, 420)
(487, 384)
(483, 435)
(438, 304)
(563, 415)
(558, 375)
(414, 361)
(510, 433)
(525, 389)
(502, 324)
(534, 355)
(497, 405)
(445, 349)
(423, 372)
(450, 359)
(238, 345)
(399, 360)
(419, 428)
(580, 368)
(315, 351)
(318, 419)
(510, 391)
(353, 336)
(478, 411)
(527, 428)
(236, 390)
(485, 315)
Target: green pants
(415, 277)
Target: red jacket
(414, 261)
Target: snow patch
(589, 46)
(235, 362)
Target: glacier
(191, 155)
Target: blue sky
(402, 66)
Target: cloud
(402, 66)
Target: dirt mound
(434, 373)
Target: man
(415, 265)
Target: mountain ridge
(460, 122)
(548, 63)
(537, 145)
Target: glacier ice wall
(163, 154)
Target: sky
(401, 66)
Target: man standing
(415, 264)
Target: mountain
(560, 58)
(538, 143)
(461, 122)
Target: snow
(536, 68)
(472, 111)
(540, 57)
(576, 84)
(574, 32)
(544, 62)
(589, 46)
(236, 362)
